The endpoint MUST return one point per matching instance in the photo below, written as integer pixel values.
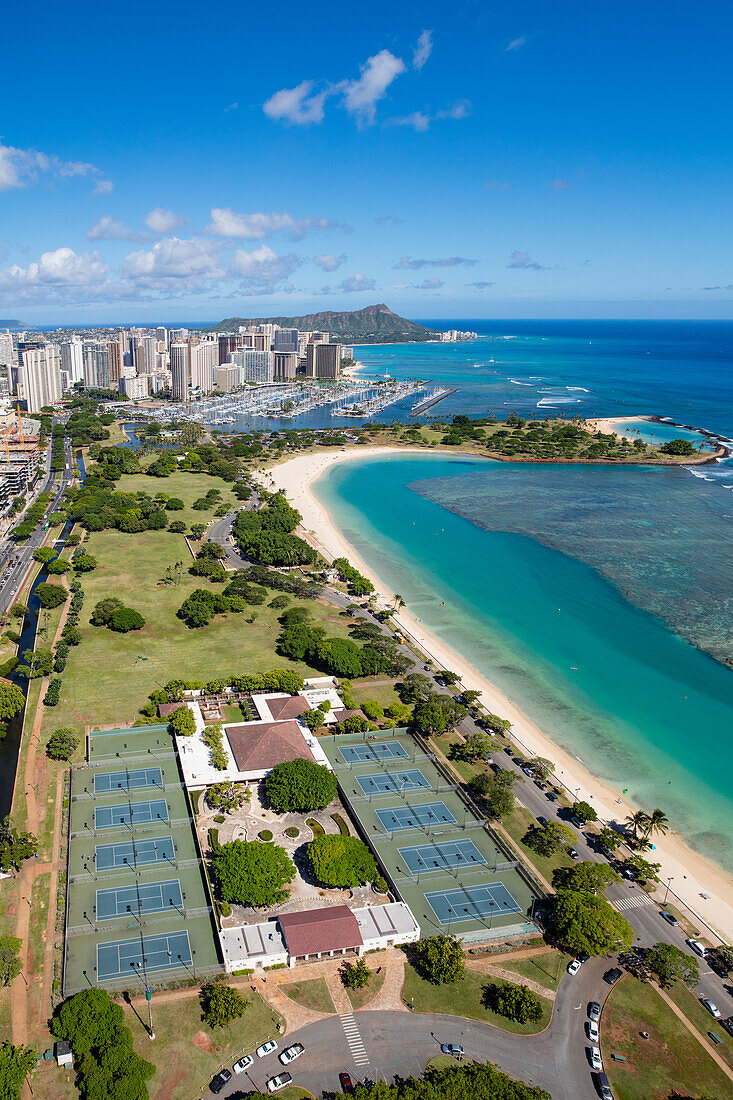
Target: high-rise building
(285, 365)
(204, 358)
(286, 339)
(323, 360)
(72, 359)
(180, 370)
(96, 366)
(319, 338)
(40, 376)
(259, 366)
(228, 343)
(161, 334)
(7, 357)
(136, 388)
(228, 377)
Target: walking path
(694, 1032)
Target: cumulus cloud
(262, 265)
(356, 283)
(516, 43)
(360, 97)
(103, 187)
(430, 283)
(524, 261)
(21, 167)
(330, 262)
(162, 221)
(560, 184)
(299, 105)
(54, 276)
(388, 219)
(226, 222)
(406, 263)
(231, 107)
(173, 258)
(460, 109)
(107, 229)
(422, 50)
(420, 120)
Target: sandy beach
(608, 424)
(692, 876)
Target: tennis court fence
(91, 830)
(114, 985)
(143, 922)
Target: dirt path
(486, 966)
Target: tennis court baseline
(130, 813)
(372, 750)
(154, 849)
(387, 782)
(426, 858)
(145, 897)
(134, 779)
(416, 817)
(470, 902)
(142, 954)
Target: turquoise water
(654, 432)
(553, 628)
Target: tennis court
(470, 902)
(136, 853)
(416, 817)
(133, 780)
(426, 858)
(388, 782)
(130, 813)
(365, 751)
(143, 897)
(142, 954)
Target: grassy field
(700, 1018)
(361, 997)
(465, 998)
(547, 968)
(373, 689)
(311, 993)
(669, 1063)
(516, 825)
(109, 676)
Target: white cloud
(103, 187)
(418, 120)
(162, 221)
(330, 262)
(357, 283)
(388, 219)
(423, 49)
(226, 222)
(55, 276)
(460, 109)
(297, 104)
(361, 96)
(20, 167)
(231, 107)
(263, 265)
(173, 258)
(560, 185)
(107, 229)
(428, 284)
(516, 43)
(406, 263)
(525, 262)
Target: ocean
(598, 598)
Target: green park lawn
(311, 993)
(373, 689)
(700, 1018)
(109, 676)
(465, 998)
(669, 1063)
(547, 968)
(517, 825)
(361, 997)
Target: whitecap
(516, 383)
(580, 389)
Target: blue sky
(477, 159)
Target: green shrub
(315, 827)
(53, 694)
(343, 828)
(292, 832)
(265, 834)
(342, 861)
(213, 836)
(62, 743)
(220, 818)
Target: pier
(431, 399)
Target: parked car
(574, 966)
(454, 1049)
(699, 948)
(266, 1048)
(291, 1053)
(529, 772)
(573, 854)
(539, 784)
(542, 820)
(551, 796)
(595, 1059)
(594, 1011)
(279, 1081)
(218, 1082)
(592, 1027)
(243, 1064)
(577, 821)
(669, 917)
(728, 1025)
(346, 1083)
(612, 976)
(604, 1089)
(711, 1007)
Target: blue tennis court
(469, 902)
(366, 751)
(133, 780)
(130, 813)
(388, 782)
(144, 897)
(142, 955)
(155, 849)
(416, 817)
(426, 858)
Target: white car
(574, 966)
(291, 1053)
(243, 1064)
(697, 947)
(711, 1007)
(592, 1031)
(595, 1059)
(279, 1081)
(266, 1048)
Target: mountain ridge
(375, 324)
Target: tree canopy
(590, 877)
(669, 964)
(251, 873)
(221, 1004)
(439, 959)
(300, 786)
(50, 595)
(15, 1065)
(341, 861)
(12, 700)
(585, 924)
(516, 1002)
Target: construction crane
(20, 425)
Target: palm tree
(658, 822)
(638, 822)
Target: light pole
(149, 999)
(666, 894)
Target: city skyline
(508, 163)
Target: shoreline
(692, 874)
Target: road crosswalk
(353, 1038)
(633, 902)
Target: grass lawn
(361, 997)
(109, 676)
(547, 968)
(517, 825)
(311, 993)
(670, 1062)
(374, 690)
(700, 1018)
(465, 998)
